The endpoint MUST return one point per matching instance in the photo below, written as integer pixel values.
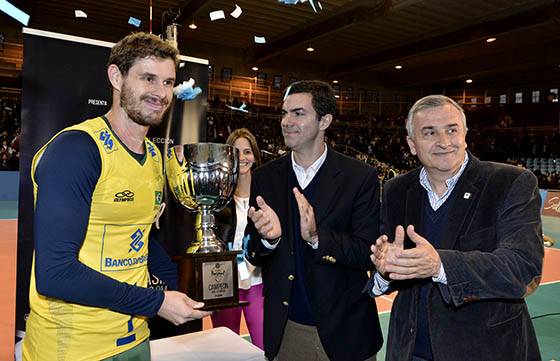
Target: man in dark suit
(471, 252)
(314, 216)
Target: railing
(12, 94)
(246, 89)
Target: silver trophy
(203, 177)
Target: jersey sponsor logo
(152, 151)
(107, 139)
(137, 242)
(124, 196)
(128, 262)
(112, 263)
(120, 255)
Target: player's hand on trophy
(178, 308)
(265, 220)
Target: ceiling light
(468, 81)
(193, 26)
(310, 49)
(490, 40)
(337, 96)
(335, 81)
(255, 68)
(398, 67)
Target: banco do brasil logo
(137, 242)
(124, 196)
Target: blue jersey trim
(126, 340)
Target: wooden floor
(8, 255)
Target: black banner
(64, 83)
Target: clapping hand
(394, 262)
(265, 220)
(306, 218)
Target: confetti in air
(80, 14)
(237, 12)
(134, 22)
(216, 15)
(185, 90)
(240, 109)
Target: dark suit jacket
(346, 212)
(492, 253)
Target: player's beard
(139, 112)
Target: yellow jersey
(124, 204)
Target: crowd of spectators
(9, 134)
(377, 139)
(381, 140)
(548, 181)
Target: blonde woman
(232, 221)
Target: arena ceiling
(437, 42)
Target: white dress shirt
(248, 275)
(304, 177)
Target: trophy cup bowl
(203, 177)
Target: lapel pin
(467, 195)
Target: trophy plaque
(202, 177)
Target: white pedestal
(216, 344)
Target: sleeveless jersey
(124, 204)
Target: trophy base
(210, 278)
(224, 306)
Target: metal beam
(469, 33)
(353, 13)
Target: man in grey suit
(462, 243)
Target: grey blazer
(492, 253)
